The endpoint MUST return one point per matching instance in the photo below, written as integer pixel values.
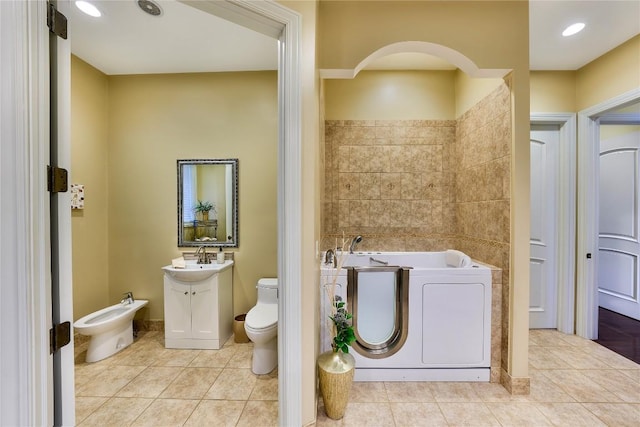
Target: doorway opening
(284, 25)
(588, 224)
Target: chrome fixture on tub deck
(354, 242)
(330, 258)
(372, 260)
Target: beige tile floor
(574, 382)
(148, 385)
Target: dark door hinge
(56, 21)
(59, 336)
(57, 179)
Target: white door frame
(588, 215)
(64, 378)
(566, 229)
(26, 389)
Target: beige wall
(470, 91)
(391, 95)
(490, 33)
(493, 34)
(157, 119)
(152, 121)
(89, 151)
(553, 91)
(405, 95)
(613, 74)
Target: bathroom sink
(195, 272)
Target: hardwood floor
(619, 333)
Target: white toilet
(261, 325)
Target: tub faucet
(354, 242)
(202, 255)
(330, 257)
(128, 298)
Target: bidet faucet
(202, 255)
(128, 298)
(354, 242)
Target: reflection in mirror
(208, 202)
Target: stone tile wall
(422, 185)
(390, 181)
(482, 206)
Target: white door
(544, 183)
(619, 250)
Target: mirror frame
(234, 200)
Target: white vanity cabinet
(199, 314)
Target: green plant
(344, 334)
(204, 206)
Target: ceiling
(125, 40)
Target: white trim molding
(620, 119)
(441, 51)
(588, 215)
(64, 367)
(566, 257)
(290, 224)
(26, 389)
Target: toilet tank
(267, 291)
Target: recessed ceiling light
(573, 29)
(88, 8)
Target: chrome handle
(372, 259)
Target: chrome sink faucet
(127, 298)
(354, 242)
(202, 255)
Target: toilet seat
(262, 317)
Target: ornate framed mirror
(208, 202)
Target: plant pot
(335, 374)
(205, 216)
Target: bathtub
(418, 316)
